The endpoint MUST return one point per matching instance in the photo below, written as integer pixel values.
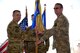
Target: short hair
(15, 11)
(32, 15)
(59, 4)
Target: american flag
(3, 47)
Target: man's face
(17, 16)
(58, 9)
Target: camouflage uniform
(60, 32)
(29, 42)
(14, 37)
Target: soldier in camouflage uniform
(60, 31)
(29, 42)
(15, 34)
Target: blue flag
(35, 15)
(44, 18)
(24, 24)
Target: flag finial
(44, 6)
(26, 12)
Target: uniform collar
(14, 22)
(60, 15)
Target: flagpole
(36, 40)
(26, 12)
(36, 30)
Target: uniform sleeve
(13, 30)
(48, 33)
(60, 24)
(30, 31)
(47, 44)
